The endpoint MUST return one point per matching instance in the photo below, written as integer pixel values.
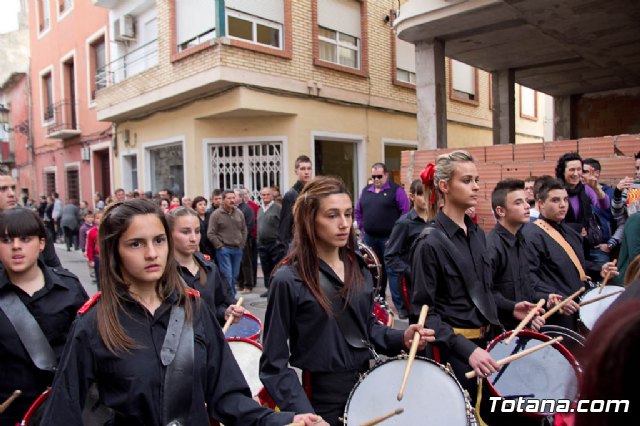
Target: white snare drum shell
(590, 313)
(248, 358)
(431, 396)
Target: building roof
(559, 47)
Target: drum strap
(177, 354)
(562, 242)
(29, 331)
(344, 315)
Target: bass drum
(570, 339)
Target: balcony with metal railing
(63, 123)
(131, 63)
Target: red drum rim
(245, 340)
(543, 338)
(36, 404)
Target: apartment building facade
(214, 94)
(69, 42)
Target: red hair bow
(427, 180)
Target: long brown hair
(304, 255)
(115, 222)
(172, 218)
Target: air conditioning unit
(85, 154)
(124, 28)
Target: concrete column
(431, 95)
(504, 107)
(562, 118)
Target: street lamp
(4, 122)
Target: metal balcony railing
(63, 123)
(131, 63)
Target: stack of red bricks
(496, 162)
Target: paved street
(76, 262)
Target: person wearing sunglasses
(380, 205)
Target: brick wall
(496, 162)
(607, 114)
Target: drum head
(550, 373)
(590, 313)
(248, 327)
(432, 396)
(572, 340)
(247, 353)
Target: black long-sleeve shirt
(438, 278)
(214, 292)
(131, 383)
(315, 342)
(550, 268)
(510, 270)
(54, 308)
(285, 227)
(398, 250)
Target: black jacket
(397, 254)
(132, 383)
(54, 307)
(299, 333)
(285, 228)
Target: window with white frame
(47, 97)
(528, 103)
(259, 22)
(166, 168)
(463, 81)
(64, 6)
(405, 61)
(195, 22)
(44, 16)
(339, 32)
(97, 65)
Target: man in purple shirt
(379, 206)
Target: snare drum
(432, 396)
(590, 313)
(33, 417)
(247, 354)
(249, 327)
(373, 264)
(550, 373)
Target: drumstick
(595, 299)
(230, 319)
(16, 393)
(383, 418)
(606, 277)
(525, 321)
(561, 304)
(471, 374)
(413, 351)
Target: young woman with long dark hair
(155, 353)
(320, 282)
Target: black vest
(379, 211)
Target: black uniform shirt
(215, 291)
(438, 278)
(131, 383)
(550, 268)
(510, 266)
(315, 342)
(398, 250)
(54, 307)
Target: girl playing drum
(36, 302)
(319, 317)
(156, 353)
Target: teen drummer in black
(50, 296)
(305, 327)
(148, 370)
(197, 271)
(451, 276)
